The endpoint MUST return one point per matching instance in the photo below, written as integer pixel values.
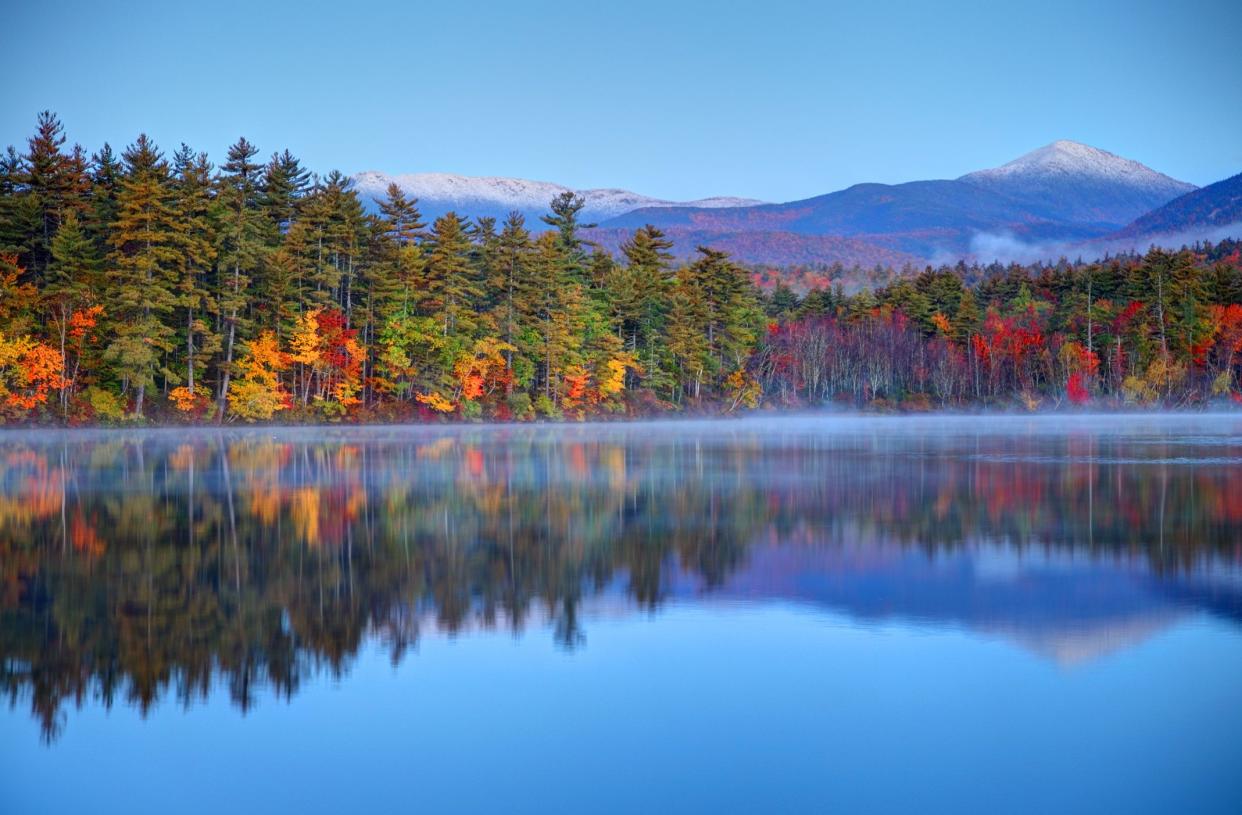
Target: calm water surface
(801, 614)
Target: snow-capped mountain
(1069, 181)
(475, 196)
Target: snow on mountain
(1071, 181)
(475, 196)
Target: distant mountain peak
(1075, 181)
(1075, 159)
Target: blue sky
(776, 100)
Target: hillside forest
(152, 286)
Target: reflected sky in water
(881, 614)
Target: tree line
(146, 286)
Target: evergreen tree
(105, 185)
(51, 183)
(15, 225)
(398, 273)
(142, 274)
(285, 184)
(453, 291)
(511, 259)
(564, 219)
(73, 284)
(196, 236)
(642, 294)
(241, 250)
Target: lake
(816, 613)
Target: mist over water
(792, 611)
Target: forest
(154, 288)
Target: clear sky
(774, 99)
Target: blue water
(852, 615)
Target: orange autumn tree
(258, 393)
(29, 372)
(484, 370)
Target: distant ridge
(1205, 209)
(760, 247)
(1065, 192)
(496, 197)
(1062, 192)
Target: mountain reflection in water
(136, 566)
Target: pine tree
(732, 313)
(105, 185)
(52, 186)
(346, 234)
(73, 284)
(241, 250)
(452, 289)
(142, 275)
(196, 238)
(285, 184)
(686, 336)
(564, 219)
(512, 257)
(15, 225)
(398, 272)
(551, 305)
(642, 294)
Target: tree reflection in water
(143, 565)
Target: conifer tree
(196, 238)
(399, 271)
(452, 288)
(241, 250)
(142, 274)
(51, 184)
(73, 284)
(105, 185)
(345, 233)
(285, 184)
(512, 257)
(643, 296)
(563, 217)
(14, 225)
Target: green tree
(196, 242)
(142, 274)
(241, 250)
(453, 290)
(73, 283)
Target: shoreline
(670, 421)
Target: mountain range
(1063, 198)
(1212, 207)
(492, 197)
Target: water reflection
(139, 566)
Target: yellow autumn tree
(306, 346)
(482, 369)
(612, 379)
(258, 394)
